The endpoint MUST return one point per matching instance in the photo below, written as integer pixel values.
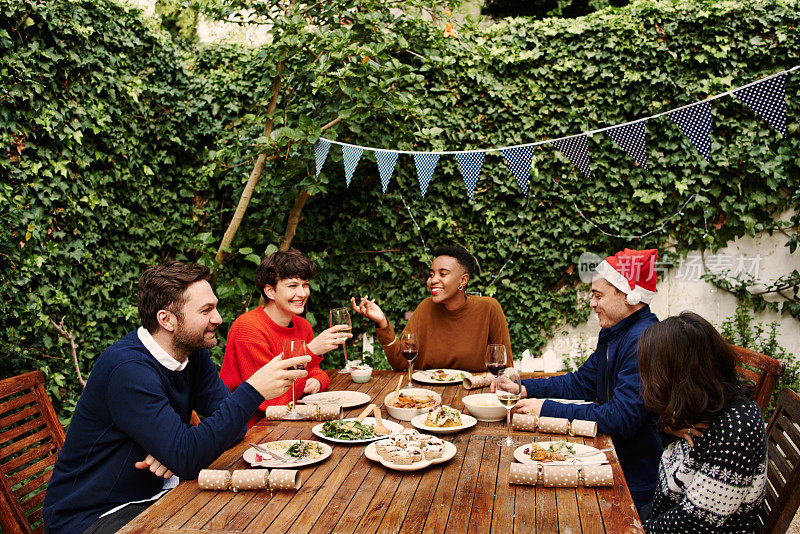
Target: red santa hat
(633, 272)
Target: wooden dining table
(350, 493)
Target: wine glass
(409, 349)
(292, 348)
(341, 316)
(507, 389)
(496, 360)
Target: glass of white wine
(509, 385)
(342, 316)
(292, 348)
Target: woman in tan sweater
(452, 328)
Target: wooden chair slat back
(765, 373)
(31, 437)
(783, 467)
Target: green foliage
(546, 8)
(740, 329)
(121, 150)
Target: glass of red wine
(292, 348)
(496, 360)
(409, 348)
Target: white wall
(681, 291)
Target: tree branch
(294, 219)
(255, 175)
(69, 337)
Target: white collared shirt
(159, 353)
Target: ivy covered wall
(121, 150)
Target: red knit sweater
(253, 340)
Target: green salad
(336, 430)
(304, 449)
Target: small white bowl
(407, 414)
(361, 375)
(485, 407)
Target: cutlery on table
(271, 454)
(379, 428)
(360, 418)
(397, 388)
(590, 453)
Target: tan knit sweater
(450, 339)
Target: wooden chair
(30, 438)
(783, 467)
(766, 374)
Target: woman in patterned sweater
(712, 481)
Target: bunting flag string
(321, 148)
(632, 139)
(765, 97)
(426, 164)
(470, 163)
(768, 100)
(695, 123)
(350, 156)
(577, 150)
(387, 160)
(519, 161)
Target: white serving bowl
(407, 414)
(485, 407)
(361, 376)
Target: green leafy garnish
(336, 429)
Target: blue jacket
(131, 406)
(617, 405)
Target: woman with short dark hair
(715, 479)
(452, 327)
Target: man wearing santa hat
(622, 288)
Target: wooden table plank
(420, 506)
(360, 502)
(445, 492)
(480, 519)
(503, 506)
(380, 503)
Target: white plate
(466, 422)
(371, 452)
(348, 399)
(455, 376)
(279, 447)
(599, 457)
(396, 428)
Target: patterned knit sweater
(717, 486)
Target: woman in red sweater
(257, 336)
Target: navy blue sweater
(131, 406)
(618, 407)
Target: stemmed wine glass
(292, 348)
(496, 360)
(507, 389)
(409, 349)
(341, 316)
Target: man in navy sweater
(623, 286)
(130, 431)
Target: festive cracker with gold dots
(311, 412)
(565, 476)
(214, 479)
(249, 479)
(553, 425)
(477, 381)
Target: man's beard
(190, 341)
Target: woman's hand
(329, 339)
(687, 433)
(367, 308)
(312, 386)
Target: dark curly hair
(688, 371)
(282, 265)
(464, 258)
